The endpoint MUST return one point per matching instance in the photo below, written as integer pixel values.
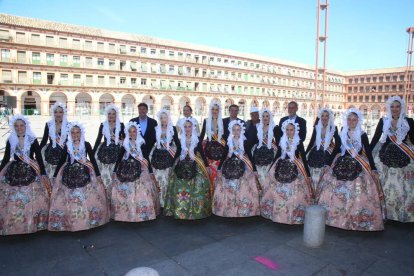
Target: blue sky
(363, 34)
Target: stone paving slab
(212, 246)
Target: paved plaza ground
(213, 246)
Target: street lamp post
(321, 40)
(407, 90)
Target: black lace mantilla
(19, 173)
(263, 156)
(186, 169)
(214, 150)
(233, 168)
(75, 175)
(108, 154)
(53, 154)
(128, 170)
(392, 156)
(347, 168)
(318, 158)
(161, 159)
(286, 171)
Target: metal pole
(407, 90)
(324, 53)
(315, 103)
(321, 39)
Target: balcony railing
(205, 61)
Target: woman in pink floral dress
(350, 189)
(24, 186)
(78, 198)
(287, 190)
(134, 195)
(236, 192)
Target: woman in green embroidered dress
(189, 189)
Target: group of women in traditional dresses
(68, 185)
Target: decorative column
(44, 107)
(95, 103)
(70, 103)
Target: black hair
(144, 105)
(233, 105)
(293, 102)
(188, 107)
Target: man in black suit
(292, 109)
(234, 111)
(147, 129)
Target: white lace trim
(219, 121)
(13, 139)
(69, 144)
(289, 148)
(259, 126)
(52, 125)
(230, 139)
(194, 140)
(330, 129)
(345, 137)
(138, 141)
(402, 124)
(158, 129)
(106, 130)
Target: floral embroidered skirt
(263, 159)
(236, 197)
(317, 159)
(397, 184)
(188, 198)
(106, 157)
(135, 201)
(284, 202)
(23, 208)
(351, 205)
(162, 162)
(162, 177)
(316, 175)
(51, 157)
(263, 172)
(76, 209)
